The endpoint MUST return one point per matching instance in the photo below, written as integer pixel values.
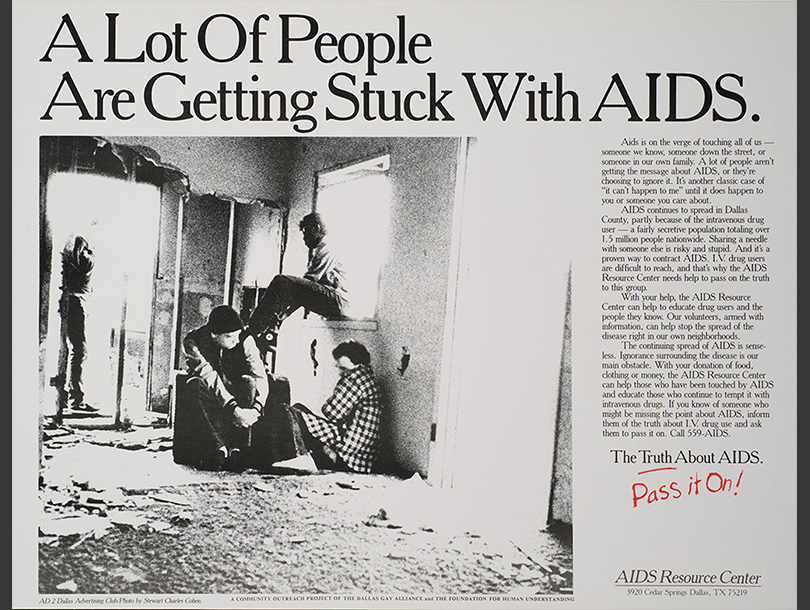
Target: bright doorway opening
(120, 220)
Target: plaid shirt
(351, 427)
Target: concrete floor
(100, 465)
(141, 458)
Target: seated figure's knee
(196, 388)
(245, 392)
(279, 282)
(195, 383)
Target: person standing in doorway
(77, 266)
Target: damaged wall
(203, 259)
(242, 168)
(411, 310)
(98, 157)
(165, 297)
(253, 171)
(269, 177)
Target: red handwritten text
(671, 489)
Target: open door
(120, 221)
(497, 418)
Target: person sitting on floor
(228, 384)
(347, 434)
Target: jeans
(73, 347)
(285, 294)
(218, 418)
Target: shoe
(301, 463)
(235, 462)
(84, 408)
(266, 341)
(214, 460)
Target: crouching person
(346, 436)
(227, 384)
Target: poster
(572, 227)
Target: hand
(245, 418)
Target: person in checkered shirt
(347, 435)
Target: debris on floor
(118, 516)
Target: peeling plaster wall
(162, 322)
(258, 236)
(202, 261)
(242, 168)
(414, 281)
(246, 168)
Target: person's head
(76, 244)
(225, 326)
(349, 355)
(80, 243)
(313, 229)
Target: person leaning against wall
(345, 435)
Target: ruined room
(474, 366)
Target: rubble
(264, 532)
(130, 575)
(69, 525)
(127, 518)
(262, 486)
(381, 520)
(183, 518)
(348, 485)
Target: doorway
(120, 220)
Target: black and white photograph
(253, 374)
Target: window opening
(355, 201)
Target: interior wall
(165, 298)
(259, 232)
(414, 279)
(203, 260)
(95, 157)
(244, 168)
(561, 509)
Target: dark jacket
(220, 369)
